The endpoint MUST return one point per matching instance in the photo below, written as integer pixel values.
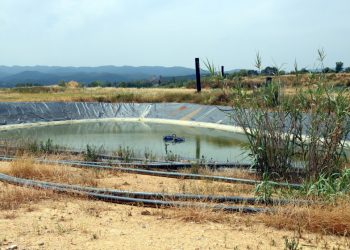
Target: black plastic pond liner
(123, 199)
(162, 173)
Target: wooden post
(223, 71)
(198, 75)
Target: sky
(173, 32)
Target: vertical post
(198, 75)
(198, 148)
(223, 71)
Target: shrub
(42, 147)
(48, 147)
(292, 244)
(126, 153)
(307, 129)
(264, 190)
(91, 153)
(329, 187)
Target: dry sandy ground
(65, 222)
(82, 224)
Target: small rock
(41, 243)
(145, 212)
(12, 247)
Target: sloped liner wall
(177, 113)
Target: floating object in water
(173, 138)
(178, 139)
(169, 137)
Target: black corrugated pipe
(150, 195)
(123, 199)
(163, 174)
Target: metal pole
(198, 75)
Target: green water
(199, 142)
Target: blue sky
(173, 32)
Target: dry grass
(340, 79)
(214, 188)
(25, 167)
(208, 95)
(324, 219)
(227, 172)
(321, 219)
(207, 187)
(13, 197)
(50, 94)
(331, 219)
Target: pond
(210, 144)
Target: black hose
(123, 199)
(150, 195)
(164, 174)
(169, 165)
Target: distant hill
(48, 75)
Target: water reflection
(199, 142)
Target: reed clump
(306, 130)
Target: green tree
(328, 70)
(270, 71)
(96, 84)
(339, 67)
(304, 71)
(62, 83)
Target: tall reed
(307, 129)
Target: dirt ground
(64, 222)
(69, 223)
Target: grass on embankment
(51, 94)
(224, 97)
(214, 92)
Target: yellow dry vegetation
(326, 218)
